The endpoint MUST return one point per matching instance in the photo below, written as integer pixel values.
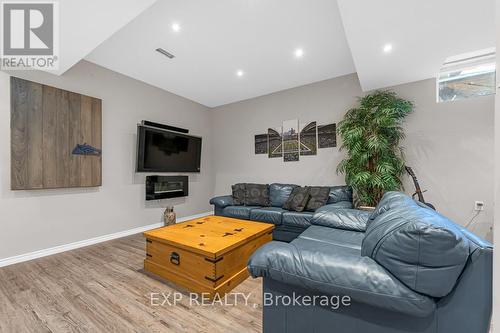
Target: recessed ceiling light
(299, 53)
(240, 73)
(387, 48)
(176, 27)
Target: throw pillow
(298, 199)
(257, 195)
(318, 197)
(238, 194)
(279, 193)
(340, 193)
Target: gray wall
(449, 145)
(34, 220)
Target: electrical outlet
(478, 205)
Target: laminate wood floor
(102, 288)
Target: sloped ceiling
(218, 38)
(84, 24)
(422, 34)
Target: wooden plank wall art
(55, 137)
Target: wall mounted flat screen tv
(165, 151)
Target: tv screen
(165, 151)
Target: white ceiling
(86, 24)
(423, 34)
(217, 38)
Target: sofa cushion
(336, 270)
(267, 214)
(338, 237)
(256, 195)
(390, 201)
(286, 233)
(297, 219)
(298, 199)
(340, 193)
(238, 193)
(318, 196)
(279, 193)
(333, 217)
(238, 212)
(422, 248)
(341, 204)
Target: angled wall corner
(78, 38)
(496, 225)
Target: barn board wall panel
(46, 125)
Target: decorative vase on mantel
(169, 216)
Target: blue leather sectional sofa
(288, 224)
(405, 267)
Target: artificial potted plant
(371, 134)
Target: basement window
(467, 76)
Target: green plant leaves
(371, 134)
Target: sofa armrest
(337, 271)
(341, 218)
(222, 201)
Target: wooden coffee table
(207, 255)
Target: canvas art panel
(327, 136)
(307, 137)
(261, 143)
(291, 140)
(275, 144)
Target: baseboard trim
(99, 239)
